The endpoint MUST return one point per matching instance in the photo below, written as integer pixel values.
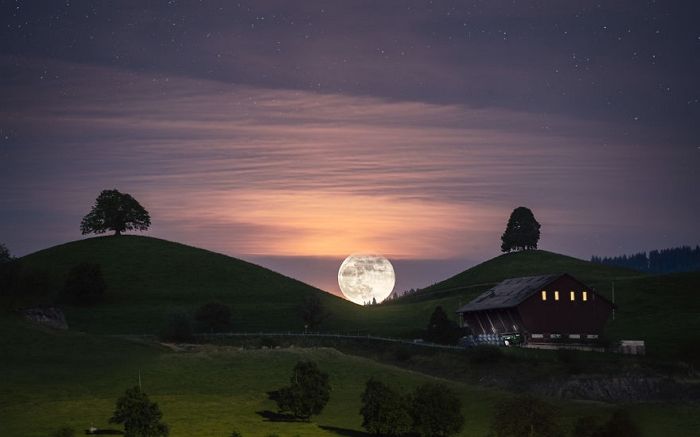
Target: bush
(308, 393)
(384, 412)
(436, 411)
(177, 329)
(214, 317)
(235, 433)
(84, 284)
(64, 431)
(525, 416)
(140, 416)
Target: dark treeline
(675, 259)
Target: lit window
(556, 295)
(573, 295)
(585, 296)
(544, 295)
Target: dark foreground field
(51, 379)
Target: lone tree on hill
(522, 231)
(140, 416)
(115, 211)
(308, 393)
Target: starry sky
(292, 134)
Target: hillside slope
(148, 279)
(525, 263)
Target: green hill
(525, 263)
(148, 279)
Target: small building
(549, 308)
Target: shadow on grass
(344, 431)
(271, 416)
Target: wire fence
(370, 337)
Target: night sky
(292, 134)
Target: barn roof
(509, 293)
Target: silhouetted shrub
(214, 317)
(177, 329)
(235, 433)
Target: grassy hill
(525, 263)
(52, 379)
(148, 279)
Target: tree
(384, 411)
(313, 313)
(214, 317)
(522, 231)
(114, 211)
(436, 411)
(140, 416)
(308, 393)
(5, 256)
(525, 416)
(84, 284)
(441, 329)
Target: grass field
(51, 379)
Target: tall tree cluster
(672, 260)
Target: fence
(331, 335)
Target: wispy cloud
(264, 172)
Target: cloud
(259, 172)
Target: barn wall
(564, 316)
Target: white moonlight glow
(365, 277)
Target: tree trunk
(117, 233)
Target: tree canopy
(115, 211)
(140, 416)
(312, 311)
(384, 411)
(441, 329)
(308, 393)
(522, 231)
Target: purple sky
(293, 135)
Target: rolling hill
(148, 279)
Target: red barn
(542, 308)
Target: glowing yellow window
(585, 296)
(544, 295)
(556, 295)
(572, 294)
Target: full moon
(365, 277)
